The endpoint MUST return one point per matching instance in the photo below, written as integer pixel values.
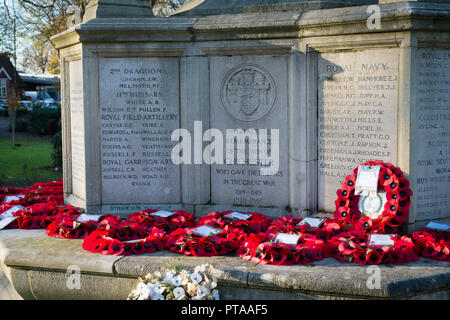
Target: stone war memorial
(250, 106)
(338, 92)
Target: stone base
(36, 265)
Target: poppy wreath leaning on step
(261, 248)
(289, 224)
(125, 241)
(66, 226)
(38, 216)
(180, 219)
(354, 248)
(396, 209)
(432, 244)
(184, 241)
(255, 224)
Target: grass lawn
(23, 166)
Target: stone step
(37, 266)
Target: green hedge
(44, 121)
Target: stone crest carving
(248, 92)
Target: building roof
(7, 66)
(40, 79)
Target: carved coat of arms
(248, 92)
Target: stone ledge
(36, 266)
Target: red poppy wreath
(68, 225)
(432, 244)
(389, 209)
(168, 221)
(205, 241)
(249, 222)
(323, 228)
(355, 248)
(125, 241)
(263, 248)
(38, 216)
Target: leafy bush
(57, 150)
(43, 121)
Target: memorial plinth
(37, 267)
(339, 91)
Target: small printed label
(206, 231)
(163, 214)
(238, 216)
(367, 180)
(312, 222)
(381, 240)
(87, 217)
(286, 238)
(134, 241)
(13, 198)
(4, 221)
(437, 226)
(9, 213)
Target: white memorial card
(437, 226)
(163, 214)
(9, 213)
(238, 216)
(287, 238)
(206, 231)
(87, 217)
(4, 221)
(312, 222)
(134, 241)
(367, 180)
(13, 198)
(381, 240)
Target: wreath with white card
(282, 248)
(382, 211)
(249, 222)
(166, 220)
(205, 241)
(125, 241)
(372, 249)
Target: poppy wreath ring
(184, 241)
(395, 211)
(354, 248)
(125, 241)
(66, 226)
(256, 223)
(432, 244)
(289, 224)
(179, 219)
(260, 248)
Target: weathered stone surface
(7, 291)
(216, 7)
(38, 269)
(332, 278)
(259, 103)
(48, 285)
(432, 135)
(228, 269)
(358, 107)
(139, 99)
(35, 249)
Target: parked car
(28, 105)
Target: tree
(45, 18)
(164, 7)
